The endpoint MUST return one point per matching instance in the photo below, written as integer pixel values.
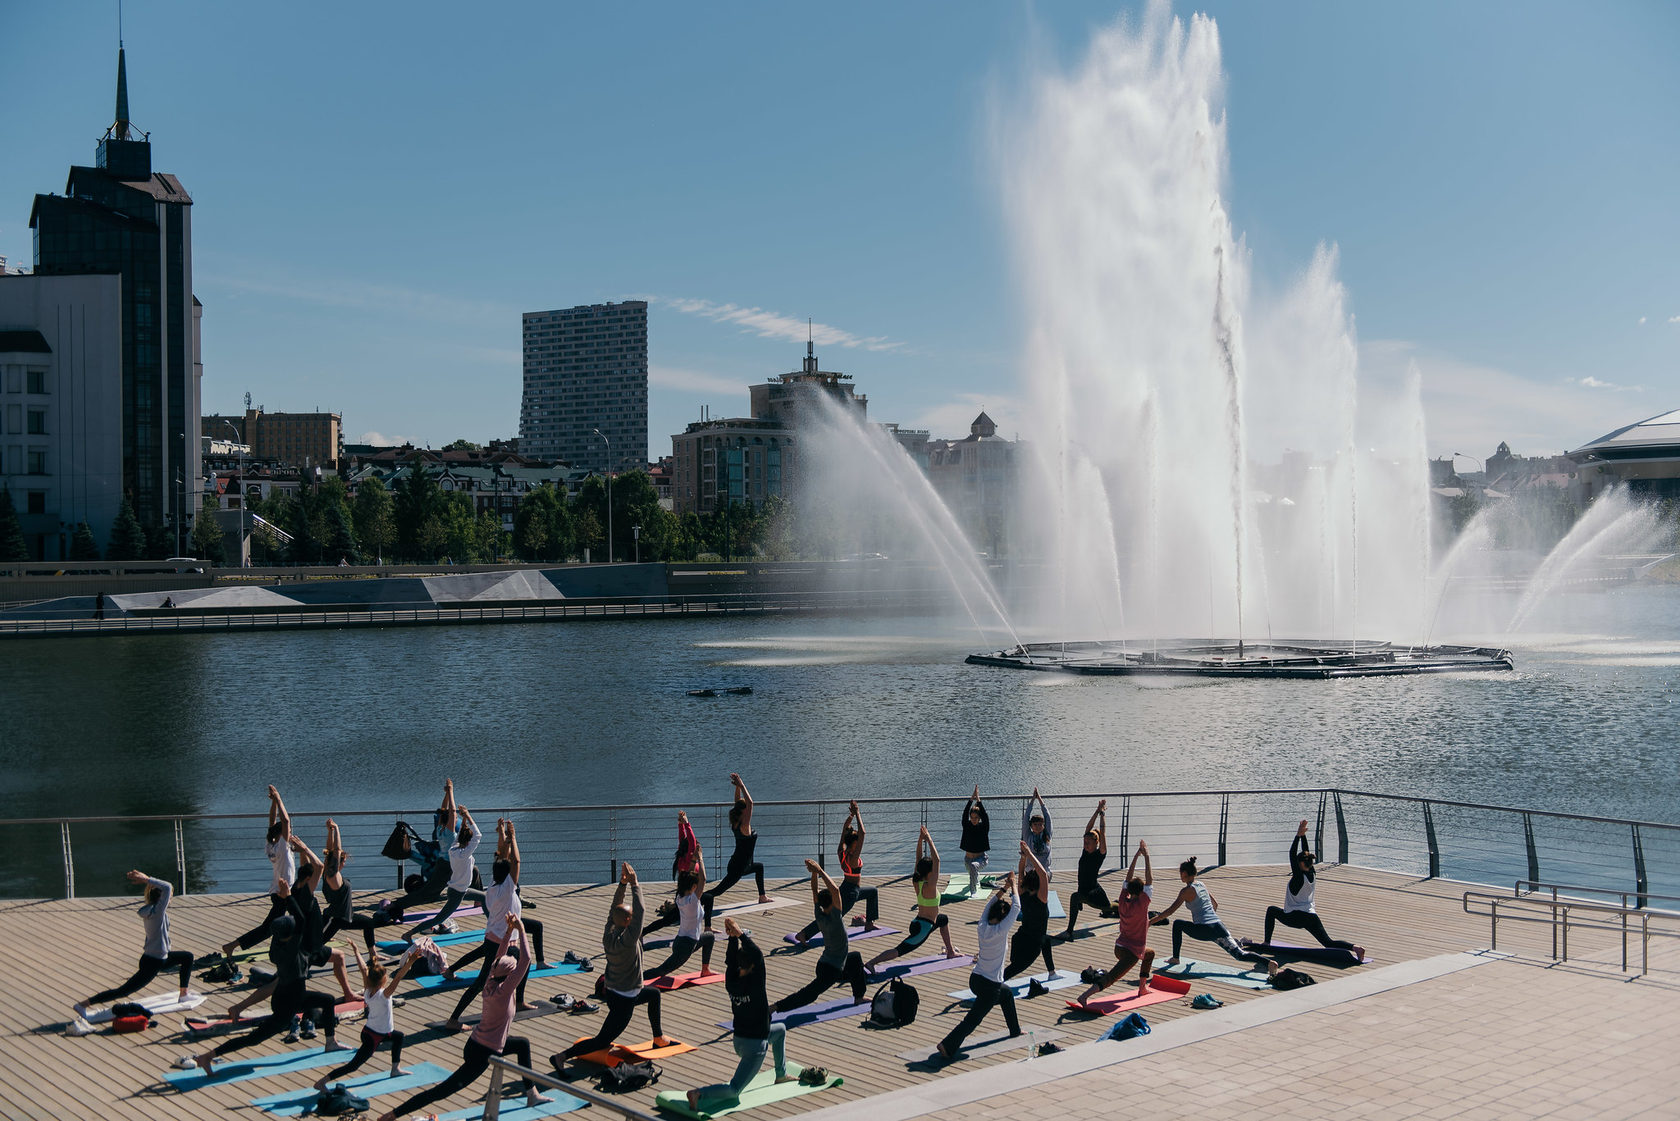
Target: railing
(501, 1069)
(1560, 893)
(586, 844)
(1558, 914)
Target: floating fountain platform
(1307, 658)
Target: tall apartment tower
(119, 217)
(586, 372)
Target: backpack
(336, 1102)
(894, 1005)
(1287, 979)
(629, 1076)
(400, 846)
(1129, 1028)
(126, 1009)
(429, 960)
(222, 973)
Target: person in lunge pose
(1298, 910)
(1131, 944)
(429, 884)
(621, 980)
(280, 855)
(378, 987)
(1089, 891)
(335, 889)
(1203, 924)
(501, 903)
(1032, 937)
(689, 934)
(850, 853)
(986, 982)
(460, 874)
(313, 934)
(690, 859)
(157, 956)
(839, 962)
(976, 838)
(741, 860)
(490, 1037)
(928, 918)
(1035, 829)
(743, 968)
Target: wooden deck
(60, 951)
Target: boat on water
(1295, 658)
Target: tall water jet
(1613, 524)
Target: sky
(381, 189)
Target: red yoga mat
(1161, 990)
(684, 980)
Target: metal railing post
(822, 835)
(69, 861)
(181, 855)
(1318, 837)
(612, 846)
(493, 1100)
(1640, 879)
(1125, 823)
(1528, 843)
(1341, 830)
(1434, 846)
(1224, 824)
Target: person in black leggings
(1204, 923)
(976, 838)
(1298, 909)
(501, 903)
(838, 961)
(1032, 937)
(335, 889)
(157, 956)
(1089, 892)
(741, 861)
(378, 987)
(280, 849)
(850, 852)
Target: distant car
(185, 564)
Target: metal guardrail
(502, 1068)
(1559, 913)
(585, 844)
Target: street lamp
(636, 536)
(1480, 466)
(608, 442)
(244, 557)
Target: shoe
(563, 1002)
(308, 1031)
(1090, 975)
(582, 1008)
(290, 1037)
(1048, 1048)
(78, 1026)
(1207, 1000)
(813, 1076)
(186, 1062)
(447, 926)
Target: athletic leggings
(370, 1043)
(987, 993)
(732, 876)
(682, 948)
(974, 861)
(453, 901)
(827, 977)
(483, 950)
(475, 1060)
(430, 890)
(149, 967)
(1093, 897)
(1025, 946)
(619, 1010)
(850, 893)
(276, 907)
(1216, 933)
(920, 929)
(289, 999)
(361, 920)
(1124, 959)
(1303, 920)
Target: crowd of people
(1013, 934)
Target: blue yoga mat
(238, 1070)
(468, 976)
(515, 1109)
(293, 1102)
(1056, 911)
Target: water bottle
(1032, 1046)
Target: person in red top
(491, 1036)
(1131, 946)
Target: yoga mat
(851, 936)
(293, 1102)
(1329, 955)
(1216, 971)
(411, 918)
(436, 982)
(263, 1066)
(1161, 990)
(979, 1046)
(350, 1009)
(915, 967)
(1056, 911)
(949, 894)
(156, 1005)
(397, 946)
(631, 1052)
(763, 1090)
(817, 1013)
(515, 1109)
(749, 906)
(685, 980)
(543, 1008)
(1066, 979)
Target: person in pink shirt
(1131, 946)
(491, 1036)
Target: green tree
(160, 542)
(459, 529)
(587, 532)
(542, 526)
(128, 540)
(373, 517)
(12, 545)
(491, 540)
(462, 446)
(419, 510)
(341, 538)
(207, 537)
(82, 546)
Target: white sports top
(1299, 900)
(378, 1003)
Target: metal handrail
(1522, 888)
(1558, 918)
(501, 1067)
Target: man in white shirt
(986, 982)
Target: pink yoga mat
(1161, 990)
(851, 936)
(685, 980)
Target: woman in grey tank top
(1203, 923)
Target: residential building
(300, 439)
(61, 381)
(585, 399)
(976, 478)
(119, 217)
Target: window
(37, 422)
(37, 461)
(14, 419)
(36, 503)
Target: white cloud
(1591, 382)
(1642, 321)
(773, 325)
(379, 439)
(1674, 319)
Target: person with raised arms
(689, 858)
(156, 956)
(1035, 829)
(839, 962)
(1032, 937)
(755, 1035)
(1204, 924)
(1131, 944)
(460, 874)
(1093, 851)
(1298, 910)
(312, 928)
(850, 853)
(501, 903)
(929, 918)
(339, 910)
(379, 987)
(690, 936)
(279, 850)
(976, 838)
(986, 981)
(741, 861)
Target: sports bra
(922, 901)
(847, 867)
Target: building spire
(120, 129)
(810, 348)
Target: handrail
(1528, 888)
(1558, 919)
(501, 1067)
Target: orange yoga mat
(684, 980)
(631, 1053)
(1161, 990)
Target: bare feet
(398, 1072)
(705, 971)
(205, 1062)
(452, 1026)
(526, 1006)
(661, 1041)
(321, 1083)
(762, 898)
(334, 1045)
(1359, 953)
(1172, 961)
(534, 1099)
(949, 954)
(786, 1077)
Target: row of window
(20, 379)
(19, 421)
(20, 460)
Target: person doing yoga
(621, 980)
(1035, 829)
(850, 853)
(1203, 924)
(925, 879)
(976, 838)
(986, 982)
(278, 849)
(156, 956)
(313, 927)
(690, 859)
(1298, 910)
(1089, 891)
(335, 889)
(501, 904)
(839, 962)
(429, 884)
(741, 861)
(690, 936)
(1131, 944)
(1032, 937)
(379, 986)
(755, 1035)
(490, 1037)
(460, 875)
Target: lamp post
(1480, 466)
(636, 536)
(608, 442)
(244, 556)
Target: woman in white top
(380, 1025)
(986, 982)
(279, 850)
(690, 932)
(501, 904)
(1298, 909)
(460, 874)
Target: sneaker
(308, 1031)
(813, 1076)
(447, 926)
(186, 1062)
(563, 1002)
(582, 1008)
(290, 1036)
(1048, 1048)
(78, 1026)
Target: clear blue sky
(382, 188)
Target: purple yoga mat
(826, 1010)
(460, 912)
(817, 939)
(915, 967)
(1327, 954)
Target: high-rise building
(586, 377)
(295, 439)
(120, 217)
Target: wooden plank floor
(60, 951)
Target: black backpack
(1287, 979)
(400, 845)
(894, 1005)
(336, 1102)
(629, 1076)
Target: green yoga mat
(1216, 971)
(762, 1090)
